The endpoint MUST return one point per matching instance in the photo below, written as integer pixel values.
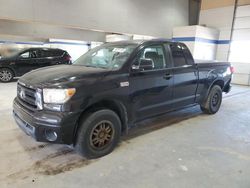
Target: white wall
(75, 51)
(46, 31)
(220, 18)
(234, 39)
(201, 41)
(115, 37)
(73, 47)
(145, 17)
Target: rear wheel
(6, 75)
(213, 102)
(99, 134)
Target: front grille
(27, 97)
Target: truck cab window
(178, 55)
(155, 53)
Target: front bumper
(37, 124)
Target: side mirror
(144, 64)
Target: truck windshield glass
(106, 56)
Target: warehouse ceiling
(45, 31)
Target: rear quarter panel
(209, 73)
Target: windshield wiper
(95, 66)
(90, 66)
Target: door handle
(167, 76)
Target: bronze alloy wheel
(102, 134)
(99, 133)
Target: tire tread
(85, 124)
(206, 107)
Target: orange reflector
(71, 92)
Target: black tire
(91, 134)
(213, 102)
(6, 75)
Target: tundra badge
(124, 84)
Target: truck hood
(60, 75)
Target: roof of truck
(138, 42)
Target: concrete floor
(180, 149)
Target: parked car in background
(112, 87)
(29, 59)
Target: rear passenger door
(57, 57)
(185, 76)
(49, 57)
(43, 58)
(26, 61)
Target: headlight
(57, 96)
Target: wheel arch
(219, 82)
(14, 72)
(114, 105)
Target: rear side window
(28, 54)
(45, 53)
(178, 55)
(58, 53)
(50, 53)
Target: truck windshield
(106, 56)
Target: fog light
(50, 135)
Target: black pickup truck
(91, 103)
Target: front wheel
(99, 134)
(6, 75)
(213, 102)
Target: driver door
(151, 90)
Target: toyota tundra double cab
(92, 102)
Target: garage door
(240, 46)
